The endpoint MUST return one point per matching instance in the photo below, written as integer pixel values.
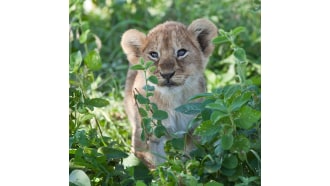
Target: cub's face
(179, 53)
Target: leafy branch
(151, 116)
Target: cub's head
(179, 53)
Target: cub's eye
(181, 52)
(153, 55)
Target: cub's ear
(131, 42)
(204, 31)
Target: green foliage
(150, 114)
(228, 152)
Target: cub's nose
(167, 76)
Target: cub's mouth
(169, 84)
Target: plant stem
(98, 126)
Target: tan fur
(186, 79)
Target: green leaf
(190, 108)
(230, 162)
(228, 172)
(93, 60)
(80, 178)
(137, 67)
(143, 135)
(148, 64)
(147, 125)
(238, 30)
(87, 117)
(141, 172)
(97, 102)
(81, 137)
(202, 95)
(218, 105)
(154, 106)
(152, 69)
(220, 39)
(149, 94)
(159, 115)
(143, 112)
(241, 143)
(207, 128)
(217, 115)
(213, 183)
(206, 114)
(82, 108)
(227, 128)
(242, 156)
(239, 53)
(178, 143)
(153, 79)
(83, 36)
(140, 183)
(227, 141)
(141, 99)
(159, 131)
(112, 153)
(75, 61)
(218, 148)
(239, 102)
(212, 167)
(230, 90)
(141, 61)
(131, 161)
(247, 117)
(84, 25)
(149, 88)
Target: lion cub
(180, 55)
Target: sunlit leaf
(137, 67)
(220, 39)
(217, 115)
(140, 183)
(98, 102)
(79, 177)
(238, 30)
(83, 36)
(75, 61)
(148, 64)
(93, 60)
(152, 69)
